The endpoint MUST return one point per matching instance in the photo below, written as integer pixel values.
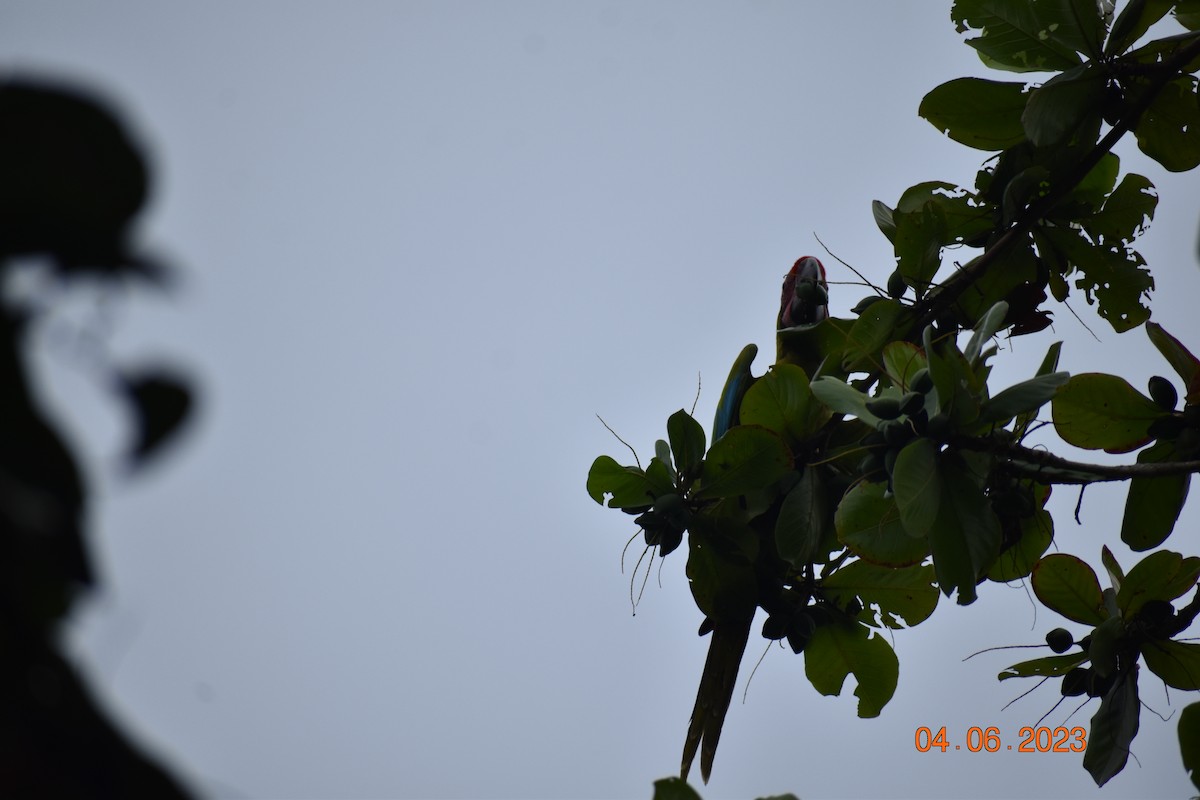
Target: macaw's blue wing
(735, 389)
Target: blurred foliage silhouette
(71, 183)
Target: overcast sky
(422, 245)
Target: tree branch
(954, 287)
(1046, 466)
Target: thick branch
(953, 288)
(1046, 466)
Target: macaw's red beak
(805, 299)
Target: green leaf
(1125, 212)
(902, 361)
(1164, 575)
(883, 218)
(1098, 183)
(1049, 364)
(802, 520)
(1063, 105)
(1153, 504)
(662, 451)
(1037, 531)
(868, 524)
(1074, 23)
(1177, 663)
(1023, 398)
(979, 113)
(781, 401)
(1013, 36)
(917, 486)
(674, 788)
(1133, 21)
(628, 486)
(1097, 411)
(746, 458)
(837, 650)
(843, 398)
(1114, 725)
(877, 326)
(1189, 741)
(1179, 357)
(965, 537)
(1116, 575)
(985, 329)
(902, 597)
(687, 442)
(1114, 278)
(1044, 667)
(1065, 584)
(1187, 14)
(1169, 130)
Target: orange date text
(1040, 739)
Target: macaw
(804, 303)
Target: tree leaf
(1116, 575)
(1169, 130)
(1114, 725)
(1163, 575)
(843, 398)
(628, 486)
(917, 486)
(837, 650)
(1179, 357)
(687, 442)
(674, 788)
(1153, 504)
(802, 520)
(1133, 21)
(979, 113)
(1013, 37)
(902, 361)
(1064, 104)
(883, 218)
(1113, 277)
(876, 327)
(868, 524)
(1048, 666)
(965, 538)
(1022, 398)
(902, 597)
(1037, 531)
(746, 458)
(1125, 212)
(1189, 741)
(1177, 663)
(1098, 411)
(781, 401)
(1065, 584)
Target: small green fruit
(865, 303)
(1162, 391)
(896, 285)
(1060, 640)
(1075, 682)
(884, 407)
(912, 402)
(922, 382)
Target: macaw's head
(805, 298)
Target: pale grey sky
(423, 244)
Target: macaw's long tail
(716, 691)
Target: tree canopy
(853, 495)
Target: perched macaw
(804, 303)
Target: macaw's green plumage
(803, 304)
